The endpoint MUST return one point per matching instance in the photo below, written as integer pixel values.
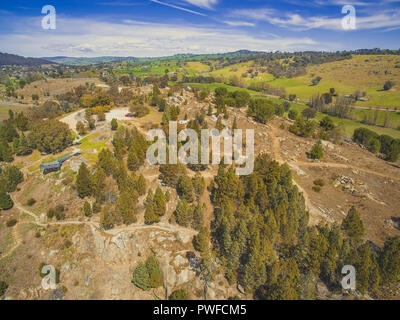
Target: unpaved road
(94, 226)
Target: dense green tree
(87, 209)
(185, 189)
(83, 183)
(51, 136)
(6, 153)
(353, 225)
(6, 202)
(390, 261)
(98, 184)
(317, 151)
(114, 124)
(10, 177)
(159, 203)
(126, 207)
(183, 213)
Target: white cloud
(83, 37)
(239, 23)
(385, 19)
(206, 4)
(177, 7)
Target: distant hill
(110, 59)
(13, 59)
(87, 61)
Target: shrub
(87, 209)
(293, 114)
(180, 294)
(6, 202)
(11, 222)
(114, 124)
(374, 145)
(319, 182)
(388, 85)
(309, 113)
(148, 275)
(317, 152)
(286, 106)
(317, 188)
(3, 288)
(31, 202)
(51, 213)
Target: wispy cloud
(206, 4)
(85, 37)
(385, 19)
(178, 7)
(239, 23)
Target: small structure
(56, 165)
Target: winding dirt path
(276, 151)
(94, 226)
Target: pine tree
(159, 203)
(83, 183)
(317, 152)
(5, 200)
(154, 271)
(126, 207)
(133, 161)
(108, 219)
(183, 213)
(353, 225)
(6, 154)
(202, 241)
(98, 184)
(87, 209)
(149, 216)
(106, 161)
(141, 185)
(114, 124)
(185, 189)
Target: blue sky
(165, 27)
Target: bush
(148, 275)
(374, 145)
(30, 202)
(11, 222)
(180, 294)
(388, 85)
(51, 213)
(317, 188)
(293, 114)
(3, 288)
(319, 182)
(114, 124)
(6, 202)
(317, 152)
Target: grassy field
(5, 107)
(350, 125)
(347, 76)
(213, 86)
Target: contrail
(179, 8)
